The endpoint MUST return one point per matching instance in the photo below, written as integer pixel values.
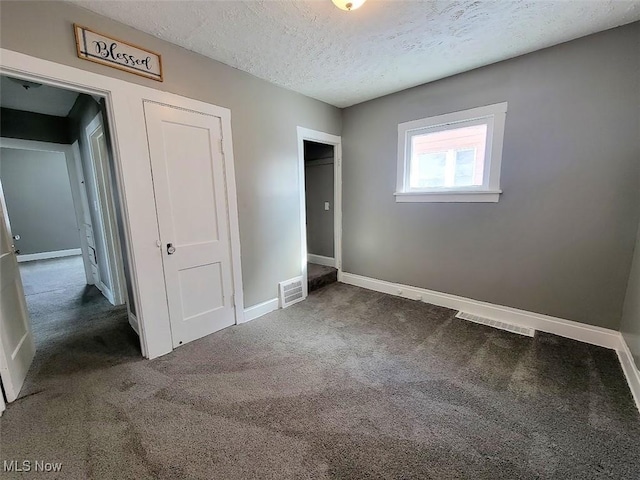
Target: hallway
(74, 326)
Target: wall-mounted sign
(99, 48)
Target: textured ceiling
(42, 99)
(345, 58)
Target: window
(452, 158)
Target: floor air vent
(509, 327)
(291, 292)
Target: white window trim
(489, 191)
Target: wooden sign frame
(117, 53)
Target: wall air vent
(291, 292)
(509, 327)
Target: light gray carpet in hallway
(348, 384)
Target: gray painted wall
(39, 203)
(630, 325)
(264, 120)
(561, 239)
(319, 189)
(33, 126)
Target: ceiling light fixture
(348, 4)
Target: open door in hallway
(104, 210)
(18, 348)
(190, 191)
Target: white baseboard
(630, 370)
(46, 255)
(133, 321)
(602, 337)
(320, 260)
(260, 309)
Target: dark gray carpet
(348, 384)
(74, 326)
(320, 275)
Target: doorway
(321, 207)
(137, 200)
(319, 159)
(62, 222)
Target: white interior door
(105, 211)
(86, 225)
(17, 348)
(81, 205)
(190, 191)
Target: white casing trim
(320, 260)
(261, 309)
(448, 197)
(28, 257)
(630, 370)
(494, 117)
(336, 141)
(602, 337)
(133, 321)
(106, 212)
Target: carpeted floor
(74, 326)
(320, 275)
(348, 384)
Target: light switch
(326, 205)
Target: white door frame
(107, 213)
(71, 155)
(125, 118)
(336, 141)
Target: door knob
(170, 249)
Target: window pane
(448, 158)
(465, 163)
(429, 170)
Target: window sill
(485, 196)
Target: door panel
(190, 191)
(194, 219)
(95, 135)
(93, 257)
(17, 348)
(86, 228)
(201, 290)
